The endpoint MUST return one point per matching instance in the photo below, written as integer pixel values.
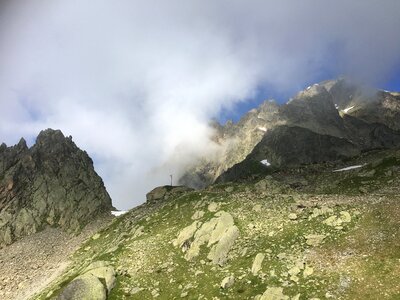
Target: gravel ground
(28, 265)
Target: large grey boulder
(95, 283)
(84, 287)
(104, 272)
(219, 234)
(53, 183)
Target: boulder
(257, 263)
(219, 234)
(219, 252)
(164, 192)
(84, 287)
(227, 282)
(274, 293)
(94, 283)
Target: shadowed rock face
(52, 183)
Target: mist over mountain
(136, 83)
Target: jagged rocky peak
(235, 141)
(348, 116)
(51, 136)
(326, 122)
(312, 91)
(53, 183)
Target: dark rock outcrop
(53, 183)
(291, 146)
(164, 192)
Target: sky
(136, 82)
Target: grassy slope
(358, 261)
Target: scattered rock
(363, 190)
(227, 282)
(292, 216)
(314, 239)
(333, 221)
(229, 189)
(324, 210)
(198, 215)
(213, 207)
(274, 293)
(184, 294)
(307, 271)
(257, 263)
(257, 208)
(345, 216)
(135, 290)
(96, 236)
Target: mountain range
(331, 120)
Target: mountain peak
(53, 183)
(50, 136)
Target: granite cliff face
(328, 121)
(53, 183)
(235, 141)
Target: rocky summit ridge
(331, 120)
(52, 183)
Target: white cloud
(135, 82)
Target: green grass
(368, 247)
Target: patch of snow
(336, 106)
(262, 129)
(265, 162)
(118, 213)
(348, 109)
(349, 168)
(309, 87)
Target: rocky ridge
(53, 183)
(327, 121)
(235, 141)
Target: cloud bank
(135, 82)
